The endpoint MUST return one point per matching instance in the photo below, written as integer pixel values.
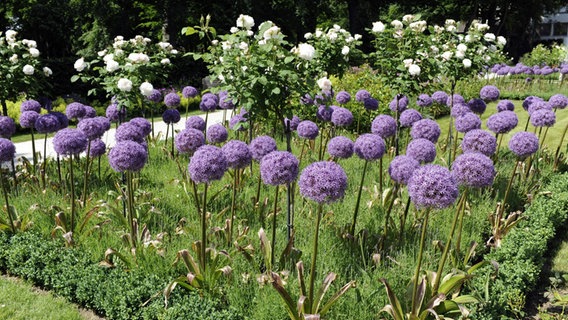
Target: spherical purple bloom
(473, 169)
(324, 113)
(362, 95)
(236, 122)
(98, 148)
(369, 146)
(477, 106)
(209, 102)
(440, 97)
(293, 123)
(113, 114)
(408, 117)
(7, 127)
(75, 110)
(523, 144)
(467, 122)
(189, 140)
(155, 96)
(237, 154)
(93, 128)
(7, 150)
(489, 93)
(341, 117)
(189, 92)
(384, 125)
(171, 116)
(502, 122)
(340, 147)
(543, 118)
(69, 142)
(427, 129)
(538, 105)
(261, 146)
(217, 133)
(402, 104)
(423, 150)
(558, 101)
(308, 130)
(278, 168)
(530, 100)
(371, 104)
(172, 100)
(459, 110)
(432, 186)
(225, 102)
(456, 99)
(47, 123)
(402, 167)
(127, 156)
(129, 131)
(323, 182)
(195, 122)
(30, 105)
(207, 164)
(479, 141)
(505, 105)
(424, 100)
(28, 119)
(90, 112)
(342, 97)
(61, 119)
(143, 124)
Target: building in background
(554, 27)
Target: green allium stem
(419, 263)
(273, 242)
(314, 257)
(5, 191)
(358, 199)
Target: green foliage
(541, 55)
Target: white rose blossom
(146, 88)
(461, 47)
(466, 63)
(407, 18)
(407, 62)
(244, 46)
(165, 61)
(397, 25)
(28, 69)
(414, 70)
(11, 36)
(378, 27)
(124, 85)
(501, 40)
(460, 54)
(324, 84)
(244, 21)
(47, 71)
(306, 51)
(80, 64)
(271, 32)
(447, 55)
(357, 36)
(34, 52)
(234, 30)
(490, 37)
(13, 58)
(345, 50)
(111, 65)
(319, 33)
(308, 36)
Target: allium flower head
(502, 122)
(456, 99)
(155, 96)
(261, 146)
(371, 104)
(90, 112)
(30, 105)
(189, 92)
(467, 122)
(369, 146)
(422, 150)
(293, 123)
(324, 113)
(440, 97)
(172, 100)
(361, 95)
(75, 110)
(28, 119)
(384, 125)
(189, 140)
(207, 164)
(94, 128)
(477, 106)
(171, 116)
(7, 150)
(225, 102)
(68, 142)
(505, 105)
(143, 124)
(343, 97)
(543, 118)
(7, 127)
(113, 114)
(538, 105)
(217, 133)
(340, 147)
(129, 131)
(402, 167)
(323, 182)
(208, 102)
(195, 122)
(47, 123)
(236, 122)
(408, 117)
(237, 154)
(432, 186)
(308, 130)
(127, 156)
(98, 148)
(341, 117)
(62, 120)
(427, 129)
(402, 103)
(459, 110)
(529, 101)
(278, 168)
(424, 100)
(489, 93)
(558, 101)
(523, 144)
(473, 169)
(479, 140)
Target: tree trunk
(4, 107)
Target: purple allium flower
(28, 119)
(323, 182)
(278, 168)
(558, 101)
(427, 129)
(440, 97)
(189, 140)
(129, 131)
(7, 150)
(90, 112)
(307, 99)
(342, 97)
(189, 92)
(7, 127)
(543, 118)
(505, 105)
(529, 101)
(341, 117)
(489, 93)
(261, 146)
(422, 150)
(479, 140)
(94, 128)
(195, 122)
(473, 169)
(324, 113)
(384, 125)
(207, 164)
(371, 104)
(502, 122)
(236, 122)
(217, 133)
(362, 95)
(143, 124)
(237, 154)
(538, 105)
(155, 96)
(467, 122)
(98, 148)
(172, 100)
(293, 123)
(402, 167)
(47, 123)
(127, 156)
(68, 142)
(477, 106)
(459, 110)
(402, 104)
(30, 105)
(408, 117)
(171, 116)
(424, 100)
(324, 98)
(209, 102)
(456, 99)
(113, 114)
(523, 144)
(432, 186)
(75, 110)
(340, 147)
(369, 146)
(308, 130)
(61, 119)
(225, 102)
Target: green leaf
(394, 308)
(74, 78)
(289, 59)
(188, 31)
(276, 90)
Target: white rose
(226, 45)
(407, 62)
(118, 38)
(414, 70)
(306, 51)
(250, 33)
(337, 27)
(11, 35)
(319, 33)
(271, 32)
(101, 53)
(108, 57)
(349, 39)
(174, 51)
(215, 42)
(244, 47)
(164, 45)
(447, 55)
(30, 43)
(80, 65)
(124, 84)
(438, 29)
(462, 47)
(501, 40)
(357, 36)
(332, 36)
(378, 27)
(407, 18)
(34, 52)
(450, 22)
(47, 71)
(146, 88)
(418, 26)
(118, 52)
(460, 54)
(111, 66)
(451, 28)
(434, 49)
(165, 61)
(490, 37)
(466, 63)
(468, 38)
(308, 35)
(324, 84)
(244, 21)
(14, 58)
(345, 50)
(234, 30)
(396, 24)
(28, 70)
